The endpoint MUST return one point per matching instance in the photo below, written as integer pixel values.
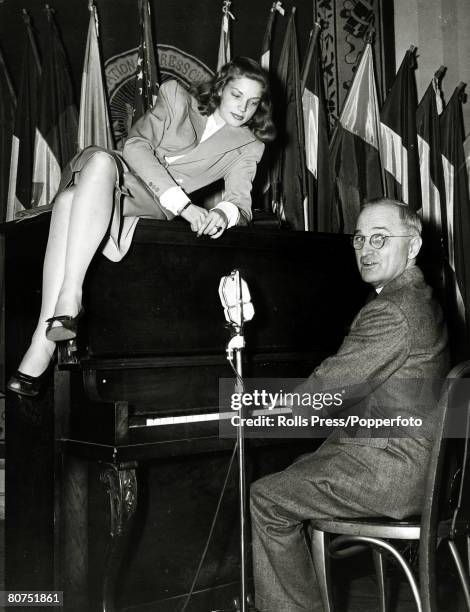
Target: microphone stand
(235, 348)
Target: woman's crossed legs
(79, 222)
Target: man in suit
(398, 335)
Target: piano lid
(162, 299)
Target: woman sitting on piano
(188, 140)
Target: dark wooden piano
(114, 472)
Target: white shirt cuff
(174, 199)
(230, 210)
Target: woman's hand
(215, 224)
(195, 216)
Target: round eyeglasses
(376, 240)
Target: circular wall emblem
(120, 76)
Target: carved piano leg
(122, 490)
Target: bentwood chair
(445, 516)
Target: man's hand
(195, 216)
(215, 224)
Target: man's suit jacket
(397, 337)
(174, 126)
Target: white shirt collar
(211, 127)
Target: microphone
(236, 299)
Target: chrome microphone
(236, 300)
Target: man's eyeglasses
(376, 240)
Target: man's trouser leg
(336, 481)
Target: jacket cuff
(174, 199)
(231, 212)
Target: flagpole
(11, 91)
(27, 21)
(438, 75)
(225, 52)
(437, 80)
(460, 92)
(48, 11)
(314, 34)
(370, 40)
(265, 59)
(92, 9)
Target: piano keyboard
(210, 416)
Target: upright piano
(114, 472)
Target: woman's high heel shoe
(67, 328)
(29, 386)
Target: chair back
(446, 505)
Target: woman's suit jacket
(174, 126)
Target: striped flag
(288, 179)
(94, 127)
(265, 59)
(7, 123)
(432, 183)
(225, 52)
(146, 78)
(319, 215)
(398, 136)
(211, 198)
(27, 112)
(466, 148)
(262, 182)
(354, 149)
(56, 133)
(458, 221)
(430, 160)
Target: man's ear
(414, 247)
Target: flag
(432, 185)
(354, 149)
(458, 222)
(213, 197)
(7, 122)
(146, 78)
(26, 118)
(262, 182)
(265, 59)
(398, 136)
(430, 159)
(466, 148)
(288, 180)
(225, 53)
(56, 132)
(94, 127)
(320, 215)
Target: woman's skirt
(122, 226)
